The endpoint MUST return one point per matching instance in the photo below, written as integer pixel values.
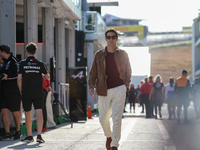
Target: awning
(66, 10)
(99, 3)
(44, 3)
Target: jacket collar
(105, 50)
(10, 57)
(182, 77)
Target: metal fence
(64, 97)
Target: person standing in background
(50, 124)
(152, 102)
(145, 91)
(132, 97)
(157, 92)
(170, 98)
(140, 97)
(30, 85)
(196, 97)
(46, 89)
(12, 99)
(2, 90)
(126, 101)
(182, 90)
(151, 79)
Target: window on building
(20, 33)
(124, 22)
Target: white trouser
(50, 121)
(112, 104)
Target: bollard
(89, 115)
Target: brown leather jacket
(97, 75)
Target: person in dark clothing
(196, 97)
(12, 99)
(125, 102)
(30, 85)
(132, 97)
(182, 90)
(140, 97)
(145, 91)
(152, 103)
(157, 92)
(2, 91)
(137, 89)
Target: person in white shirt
(170, 98)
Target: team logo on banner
(79, 75)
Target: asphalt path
(137, 133)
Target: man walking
(110, 74)
(182, 90)
(12, 98)
(30, 85)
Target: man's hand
(5, 77)
(149, 97)
(127, 89)
(49, 89)
(91, 91)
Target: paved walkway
(137, 133)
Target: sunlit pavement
(138, 133)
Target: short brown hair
(31, 48)
(5, 48)
(184, 72)
(150, 77)
(111, 30)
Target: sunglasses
(109, 37)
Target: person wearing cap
(12, 99)
(30, 85)
(110, 74)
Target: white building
(112, 20)
(48, 23)
(196, 47)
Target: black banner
(77, 93)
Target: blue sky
(159, 15)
